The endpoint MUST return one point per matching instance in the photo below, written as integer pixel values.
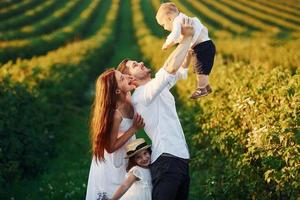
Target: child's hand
(165, 46)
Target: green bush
(249, 137)
(36, 95)
(244, 138)
(26, 130)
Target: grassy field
(244, 138)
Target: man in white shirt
(153, 100)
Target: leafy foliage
(39, 92)
(245, 137)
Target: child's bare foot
(201, 92)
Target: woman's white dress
(141, 189)
(106, 176)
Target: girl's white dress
(141, 189)
(106, 176)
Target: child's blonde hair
(166, 8)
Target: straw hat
(136, 146)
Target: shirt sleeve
(136, 172)
(154, 87)
(197, 28)
(174, 36)
(182, 73)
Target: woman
(113, 124)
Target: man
(153, 100)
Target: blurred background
(244, 139)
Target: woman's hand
(138, 122)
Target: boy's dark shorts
(205, 55)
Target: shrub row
(250, 124)
(224, 21)
(5, 4)
(31, 15)
(294, 19)
(11, 50)
(39, 92)
(48, 24)
(216, 28)
(247, 142)
(250, 22)
(282, 8)
(263, 16)
(17, 8)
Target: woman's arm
(115, 142)
(124, 187)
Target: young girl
(137, 185)
(169, 17)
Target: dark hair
(122, 66)
(132, 162)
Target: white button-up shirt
(200, 30)
(155, 103)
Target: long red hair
(103, 110)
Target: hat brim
(137, 151)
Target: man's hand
(188, 58)
(187, 27)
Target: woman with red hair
(113, 124)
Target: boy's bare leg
(202, 80)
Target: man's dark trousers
(170, 178)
